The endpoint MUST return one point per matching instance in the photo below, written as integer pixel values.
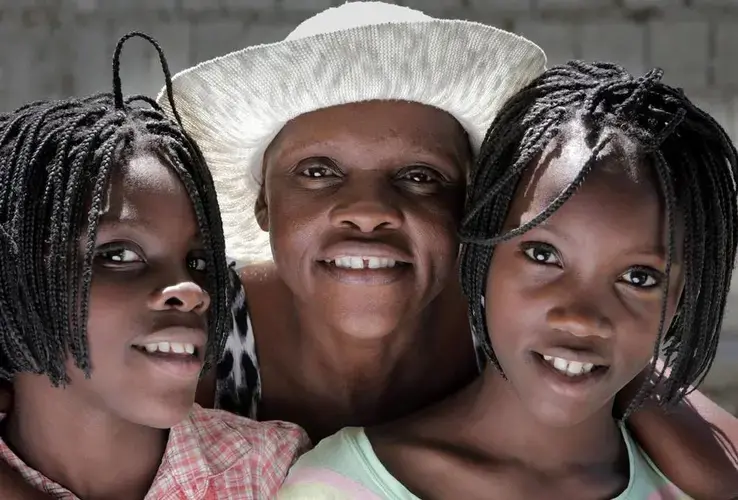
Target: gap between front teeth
(167, 347)
(570, 368)
(362, 262)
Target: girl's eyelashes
(639, 277)
(643, 277)
(116, 254)
(120, 254)
(541, 253)
(197, 263)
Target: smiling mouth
(364, 262)
(174, 350)
(572, 369)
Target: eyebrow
(659, 251)
(114, 222)
(432, 155)
(548, 228)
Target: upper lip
(574, 354)
(366, 249)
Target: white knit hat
(234, 105)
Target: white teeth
(574, 368)
(560, 364)
(363, 262)
(570, 368)
(167, 347)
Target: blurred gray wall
(56, 48)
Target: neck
(501, 421)
(369, 381)
(88, 451)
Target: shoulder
(248, 428)
(275, 439)
(339, 465)
(646, 480)
(257, 274)
(256, 455)
(262, 295)
(338, 450)
(248, 283)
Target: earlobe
(261, 210)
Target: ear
(261, 210)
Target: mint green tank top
(344, 466)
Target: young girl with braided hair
(599, 238)
(114, 295)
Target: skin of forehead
(297, 125)
(623, 160)
(574, 146)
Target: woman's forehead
(413, 124)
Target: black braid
(695, 163)
(56, 161)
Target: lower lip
(382, 276)
(180, 366)
(575, 387)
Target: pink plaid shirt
(212, 455)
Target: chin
(160, 412)
(369, 326)
(373, 320)
(366, 330)
(559, 414)
(163, 420)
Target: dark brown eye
(317, 172)
(317, 168)
(421, 176)
(197, 264)
(119, 256)
(641, 278)
(540, 253)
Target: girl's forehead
(618, 167)
(621, 191)
(562, 160)
(143, 178)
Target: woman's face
(362, 202)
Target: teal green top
(344, 466)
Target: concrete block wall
(63, 47)
(56, 48)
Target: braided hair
(695, 164)
(56, 159)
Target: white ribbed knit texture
(234, 105)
